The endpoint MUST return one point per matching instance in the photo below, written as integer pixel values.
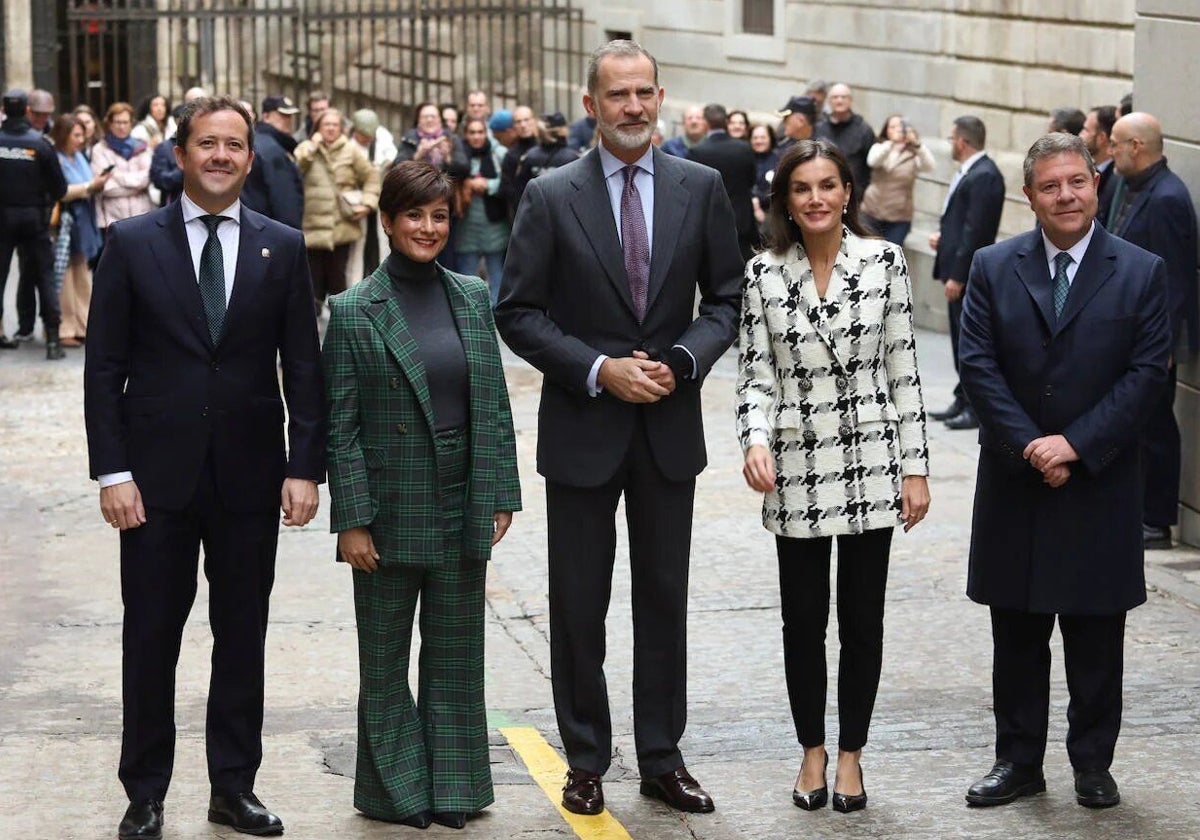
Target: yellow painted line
(550, 772)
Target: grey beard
(623, 140)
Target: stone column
(18, 43)
(1166, 62)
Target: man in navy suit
(1154, 211)
(1064, 350)
(734, 159)
(970, 220)
(193, 304)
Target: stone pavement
(60, 622)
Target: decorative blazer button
(845, 428)
(805, 384)
(841, 383)
(810, 436)
(402, 428)
(395, 382)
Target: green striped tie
(212, 277)
(1062, 284)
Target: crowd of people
(790, 237)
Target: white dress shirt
(1076, 251)
(614, 178)
(228, 234)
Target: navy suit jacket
(735, 160)
(565, 300)
(159, 398)
(1091, 374)
(1162, 219)
(971, 220)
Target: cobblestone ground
(60, 619)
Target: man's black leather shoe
(679, 790)
(1154, 537)
(450, 819)
(7, 343)
(582, 793)
(244, 813)
(1005, 783)
(954, 409)
(1096, 789)
(965, 419)
(142, 821)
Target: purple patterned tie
(635, 242)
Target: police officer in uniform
(33, 181)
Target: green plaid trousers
(432, 754)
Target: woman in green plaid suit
(423, 480)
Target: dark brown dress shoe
(142, 821)
(1006, 782)
(582, 793)
(679, 790)
(245, 813)
(1096, 789)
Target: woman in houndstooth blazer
(422, 483)
(832, 423)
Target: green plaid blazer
(382, 460)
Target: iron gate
(384, 54)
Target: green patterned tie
(212, 277)
(1062, 284)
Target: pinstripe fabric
(431, 754)
(382, 461)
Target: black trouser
(158, 586)
(804, 596)
(27, 231)
(328, 271)
(1160, 444)
(1093, 652)
(582, 541)
(954, 311)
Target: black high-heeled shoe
(450, 819)
(813, 799)
(845, 802)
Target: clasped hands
(636, 378)
(1051, 455)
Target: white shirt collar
(192, 210)
(971, 161)
(1076, 251)
(610, 164)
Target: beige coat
(894, 168)
(329, 171)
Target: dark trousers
(1093, 652)
(328, 270)
(158, 585)
(894, 232)
(804, 596)
(1160, 444)
(26, 231)
(582, 542)
(954, 311)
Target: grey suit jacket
(565, 300)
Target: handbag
(348, 202)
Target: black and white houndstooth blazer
(831, 387)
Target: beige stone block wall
(18, 43)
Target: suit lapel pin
(266, 252)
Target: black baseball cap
(803, 105)
(282, 104)
(15, 102)
(555, 120)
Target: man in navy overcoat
(1064, 349)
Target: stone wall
(1007, 61)
(1167, 34)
